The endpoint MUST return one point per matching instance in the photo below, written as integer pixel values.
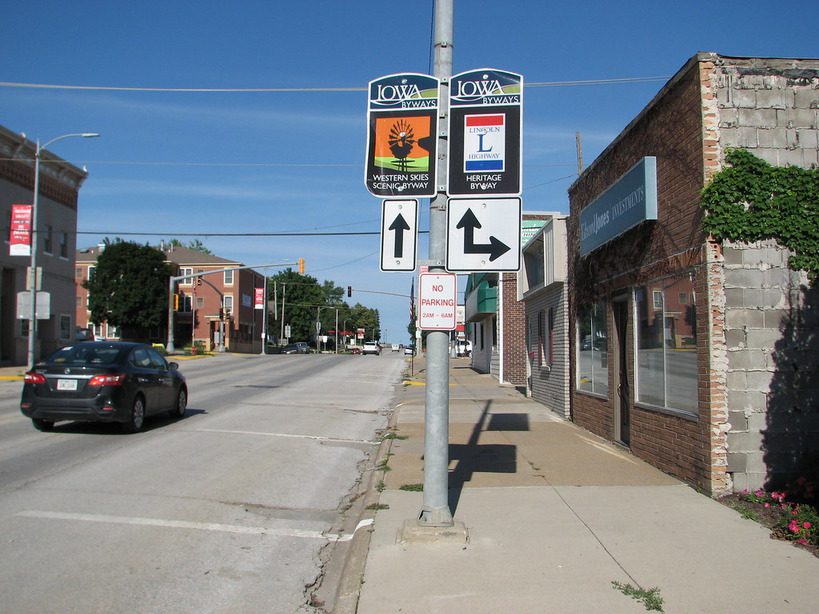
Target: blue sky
(198, 163)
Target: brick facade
(743, 298)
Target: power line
(295, 90)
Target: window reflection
(592, 349)
(666, 344)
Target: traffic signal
(301, 266)
(349, 290)
(176, 302)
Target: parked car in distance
(103, 381)
(299, 347)
(409, 350)
(371, 347)
(394, 347)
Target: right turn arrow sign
(483, 234)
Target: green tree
(129, 289)
(195, 245)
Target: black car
(103, 381)
(299, 347)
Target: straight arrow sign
(399, 226)
(483, 234)
(399, 235)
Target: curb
(351, 571)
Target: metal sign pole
(435, 511)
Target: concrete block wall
(771, 108)
(772, 386)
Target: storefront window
(667, 344)
(592, 352)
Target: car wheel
(137, 418)
(42, 425)
(181, 405)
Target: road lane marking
(291, 436)
(198, 526)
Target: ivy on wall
(750, 200)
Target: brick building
(219, 303)
(56, 238)
(680, 343)
(496, 318)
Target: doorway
(622, 403)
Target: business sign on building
(402, 136)
(485, 129)
(629, 201)
(20, 231)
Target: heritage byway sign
(483, 234)
(399, 235)
(485, 129)
(403, 136)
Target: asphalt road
(226, 510)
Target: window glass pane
(666, 344)
(228, 278)
(681, 346)
(650, 361)
(592, 353)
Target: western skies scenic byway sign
(402, 137)
(485, 129)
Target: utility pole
(435, 511)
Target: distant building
(216, 309)
(57, 231)
(495, 318)
(543, 290)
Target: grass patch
(393, 435)
(380, 486)
(377, 506)
(412, 487)
(650, 598)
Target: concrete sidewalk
(555, 515)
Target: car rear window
(86, 355)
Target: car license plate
(66, 384)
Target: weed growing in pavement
(650, 598)
(380, 486)
(377, 506)
(412, 487)
(383, 465)
(394, 435)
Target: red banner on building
(259, 303)
(20, 231)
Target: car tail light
(34, 378)
(113, 379)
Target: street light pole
(32, 274)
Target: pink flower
(767, 505)
(806, 525)
(794, 526)
(802, 541)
